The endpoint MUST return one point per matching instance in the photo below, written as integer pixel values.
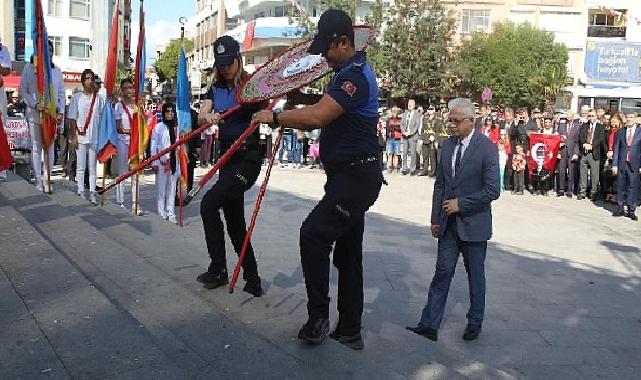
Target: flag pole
(137, 193)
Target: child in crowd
(518, 167)
(504, 149)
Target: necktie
(629, 141)
(457, 161)
(590, 133)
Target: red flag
(6, 159)
(42, 61)
(544, 151)
(182, 157)
(139, 69)
(112, 54)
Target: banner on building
(613, 61)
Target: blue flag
(183, 94)
(107, 134)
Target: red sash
(88, 119)
(131, 119)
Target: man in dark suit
(569, 130)
(626, 164)
(510, 124)
(467, 181)
(410, 124)
(593, 150)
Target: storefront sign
(613, 61)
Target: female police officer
(348, 115)
(236, 177)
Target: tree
(167, 64)
(411, 57)
(521, 64)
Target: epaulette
(357, 66)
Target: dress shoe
(404, 172)
(618, 213)
(568, 194)
(254, 288)
(471, 332)
(412, 174)
(580, 198)
(422, 174)
(632, 216)
(560, 194)
(427, 332)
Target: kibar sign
(71, 77)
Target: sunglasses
(457, 121)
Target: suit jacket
(518, 135)
(572, 138)
(475, 185)
(598, 140)
(621, 148)
(410, 123)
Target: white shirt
(630, 132)
(29, 91)
(160, 140)
(79, 110)
(466, 143)
(121, 114)
(5, 57)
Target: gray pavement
(93, 292)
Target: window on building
(57, 45)
(281, 11)
(79, 47)
(54, 8)
(606, 23)
(475, 20)
(79, 8)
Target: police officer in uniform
(347, 115)
(237, 176)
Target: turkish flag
(6, 159)
(544, 150)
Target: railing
(606, 31)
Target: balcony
(606, 31)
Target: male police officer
(347, 114)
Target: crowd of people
(598, 157)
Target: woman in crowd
(610, 180)
(167, 167)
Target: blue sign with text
(613, 61)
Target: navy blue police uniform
(237, 176)
(349, 152)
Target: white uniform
(86, 151)
(165, 182)
(123, 152)
(29, 92)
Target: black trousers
(568, 175)
(519, 180)
(429, 159)
(228, 193)
(339, 220)
(508, 183)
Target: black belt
(352, 163)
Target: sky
(161, 22)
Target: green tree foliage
(167, 65)
(412, 55)
(521, 64)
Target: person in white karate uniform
(124, 113)
(84, 118)
(167, 168)
(29, 92)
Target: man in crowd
(467, 181)
(592, 148)
(483, 113)
(410, 123)
(569, 129)
(429, 146)
(626, 164)
(507, 127)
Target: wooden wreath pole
(252, 224)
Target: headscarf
(171, 126)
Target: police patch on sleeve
(349, 88)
